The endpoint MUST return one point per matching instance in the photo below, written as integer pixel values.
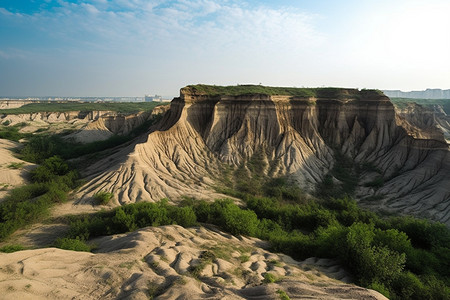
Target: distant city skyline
(131, 48)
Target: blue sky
(137, 47)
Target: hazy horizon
(165, 97)
(100, 48)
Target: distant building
(150, 98)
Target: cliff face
(298, 136)
(427, 122)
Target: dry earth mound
(12, 169)
(171, 262)
(298, 135)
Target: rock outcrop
(298, 136)
(432, 121)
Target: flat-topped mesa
(294, 132)
(219, 113)
(200, 92)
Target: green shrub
(423, 233)
(283, 295)
(270, 278)
(436, 288)
(102, 197)
(379, 287)
(40, 147)
(185, 216)
(12, 132)
(11, 248)
(123, 222)
(72, 244)
(370, 263)
(233, 219)
(393, 239)
(16, 165)
(408, 286)
(50, 169)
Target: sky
(137, 47)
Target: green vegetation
(403, 102)
(283, 295)
(40, 147)
(11, 248)
(103, 197)
(401, 257)
(54, 178)
(72, 244)
(128, 218)
(51, 183)
(329, 92)
(270, 278)
(122, 107)
(16, 165)
(12, 132)
(206, 258)
(244, 258)
(404, 258)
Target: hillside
(298, 134)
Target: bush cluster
(51, 183)
(72, 244)
(103, 197)
(128, 218)
(403, 258)
(12, 248)
(11, 132)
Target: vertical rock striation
(184, 153)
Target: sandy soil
(12, 169)
(171, 262)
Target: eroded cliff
(87, 126)
(298, 135)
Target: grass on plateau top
(236, 90)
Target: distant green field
(122, 107)
(236, 90)
(402, 102)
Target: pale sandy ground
(157, 262)
(10, 177)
